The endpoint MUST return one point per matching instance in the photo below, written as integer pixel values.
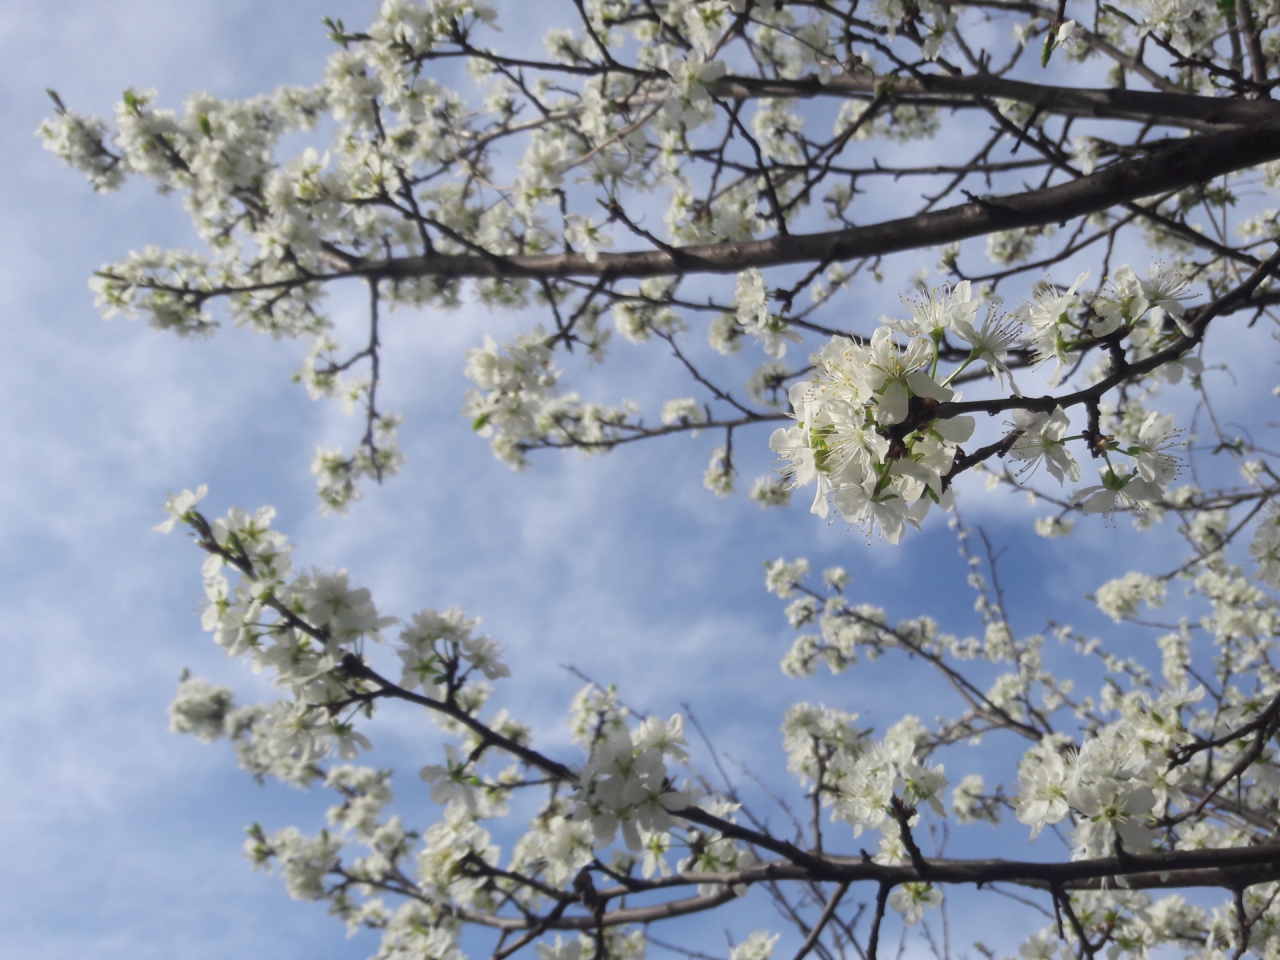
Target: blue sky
(124, 841)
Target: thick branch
(1140, 106)
(1177, 165)
(1224, 867)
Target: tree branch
(1179, 164)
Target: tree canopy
(723, 180)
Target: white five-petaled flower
(938, 30)
(1053, 328)
(449, 781)
(991, 344)
(586, 235)
(888, 510)
(1123, 303)
(1167, 290)
(348, 741)
(910, 899)
(937, 310)
(179, 505)
(1119, 488)
(896, 374)
(1155, 437)
(1042, 796)
(1041, 439)
(688, 101)
(483, 654)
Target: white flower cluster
(167, 285)
(299, 628)
(305, 629)
(1119, 598)
(625, 784)
(338, 476)
(868, 437)
(874, 453)
(754, 317)
(877, 785)
(758, 946)
(200, 708)
(1113, 786)
(78, 140)
(519, 404)
(1266, 548)
(1116, 783)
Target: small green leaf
(205, 126)
(480, 422)
(337, 32)
(1049, 43)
